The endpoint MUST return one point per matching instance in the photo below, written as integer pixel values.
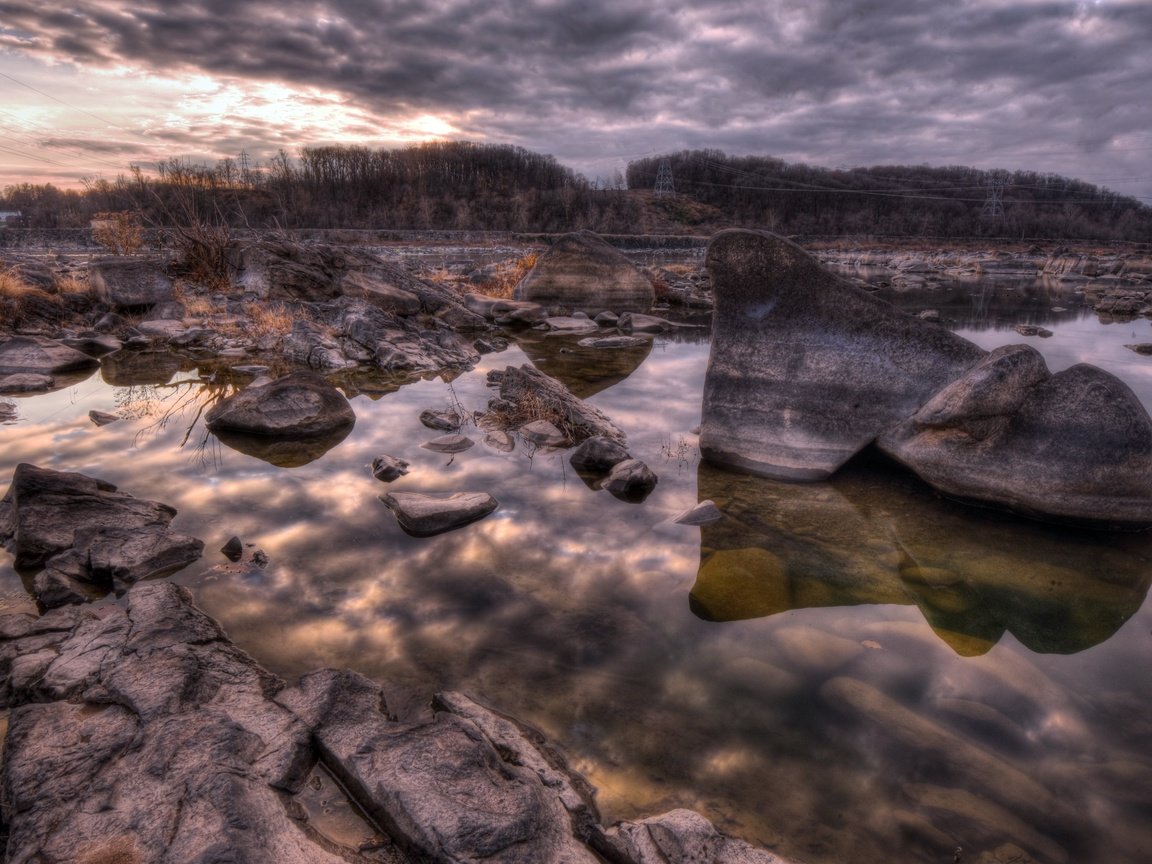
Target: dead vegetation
(23, 304)
(119, 232)
(507, 275)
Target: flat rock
(162, 328)
(634, 322)
(704, 513)
(543, 434)
(613, 342)
(42, 356)
(94, 344)
(300, 405)
(449, 444)
(129, 282)
(26, 382)
(570, 324)
(805, 369)
(381, 293)
(582, 272)
(103, 418)
(527, 394)
(426, 515)
(445, 421)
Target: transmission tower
(994, 203)
(245, 175)
(664, 179)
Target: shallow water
(851, 671)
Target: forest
(493, 187)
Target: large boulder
(117, 538)
(130, 282)
(805, 369)
(42, 356)
(1073, 446)
(580, 272)
(528, 395)
(299, 405)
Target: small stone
(102, 418)
(448, 444)
(444, 421)
(388, 468)
(597, 455)
(233, 550)
(704, 513)
(1032, 330)
(543, 434)
(613, 342)
(500, 440)
(630, 480)
(1144, 348)
(930, 315)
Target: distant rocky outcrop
(581, 272)
(143, 734)
(807, 370)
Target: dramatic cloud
(1042, 84)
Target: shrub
(119, 232)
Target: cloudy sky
(93, 86)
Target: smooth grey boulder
(426, 515)
(41, 356)
(299, 405)
(93, 344)
(129, 282)
(805, 369)
(1075, 446)
(582, 272)
(630, 480)
(598, 454)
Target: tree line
(466, 186)
(906, 200)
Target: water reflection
(584, 371)
(876, 535)
(128, 368)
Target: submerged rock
(426, 515)
(388, 468)
(582, 272)
(527, 395)
(103, 418)
(598, 455)
(630, 480)
(449, 444)
(805, 369)
(445, 421)
(543, 434)
(299, 405)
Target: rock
(598, 455)
(633, 322)
(606, 319)
(129, 282)
(500, 440)
(398, 344)
(26, 382)
(61, 583)
(543, 434)
(426, 515)
(93, 344)
(704, 513)
(491, 344)
(162, 328)
(102, 418)
(380, 293)
(233, 550)
(1075, 446)
(41, 356)
(582, 272)
(932, 315)
(1144, 348)
(143, 734)
(126, 554)
(283, 451)
(527, 394)
(128, 368)
(445, 421)
(570, 324)
(1032, 330)
(388, 468)
(300, 405)
(613, 342)
(46, 512)
(8, 412)
(806, 370)
(449, 444)
(630, 480)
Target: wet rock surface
(528, 395)
(143, 734)
(424, 515)
(42, 356)
(130, 282)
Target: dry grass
(272, 319)
(72, 286)
(196, 304)
(12, 285)
(661, 291)
(508, 275)
(121, 233)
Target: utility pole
(664, 179)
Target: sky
(95, 86)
